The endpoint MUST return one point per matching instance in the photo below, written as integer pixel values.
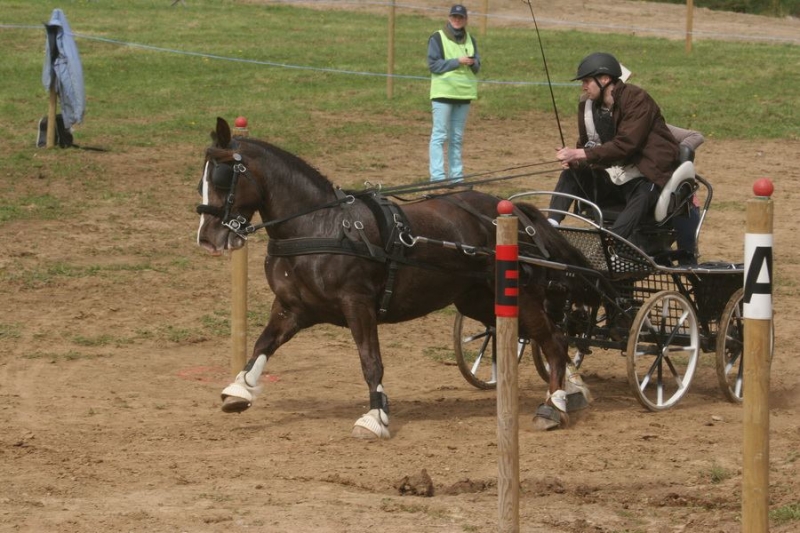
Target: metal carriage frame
(660, 316)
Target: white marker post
(757, 355)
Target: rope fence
(545, 22)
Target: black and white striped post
(757, 355)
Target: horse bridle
(226, 177)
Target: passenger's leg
(686, 232)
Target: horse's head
(230, 195)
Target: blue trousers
(449, 121)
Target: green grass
(10, 331)
(718, 474)
(41, 207)
(149, 96)
(786, 513)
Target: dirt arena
(113, 354)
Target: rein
(464, 182)
(240, 225)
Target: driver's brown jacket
(641, 138)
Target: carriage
(358, 259)
(659, 313)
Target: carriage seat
(656, 234)
(678, 190)
(677, 193)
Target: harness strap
(344, 246)
(537, 239)
(391, 223)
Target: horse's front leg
(282, 326)
(374, 424)
(561, 399)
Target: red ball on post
(504, 207)
(763, 187)
(240, 122)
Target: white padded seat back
(682, 174)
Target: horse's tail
(559, 250)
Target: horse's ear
(222, 137)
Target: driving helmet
(598, 64)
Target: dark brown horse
(355, 260)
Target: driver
(623, 129)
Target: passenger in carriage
(626, 152)
(686, 226)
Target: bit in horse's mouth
(234, 242)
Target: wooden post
(390, 60)
(238, 309)
(507, 335)
(484, 17)
(689, 24)
(239, 288)
(51, 115)
(757, 357)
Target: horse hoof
(360, 432)
(368, 427)
(234, 404)
(576, 401)
(548, 418)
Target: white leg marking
(205, 200)
(252, 377)
(575, 383)
(559, 400)
(241, 388)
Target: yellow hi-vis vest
(461, 83)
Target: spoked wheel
(730, 348)
(475, 349)
(663, 350)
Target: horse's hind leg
(374, 424)
(282, 326)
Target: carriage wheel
(474, 345)
(663, 350)
(730, 348)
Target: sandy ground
(110, 378)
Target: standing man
(619, 125)
(454, 62)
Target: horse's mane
(249, 146)
(292, 162)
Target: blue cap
(459, 10)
